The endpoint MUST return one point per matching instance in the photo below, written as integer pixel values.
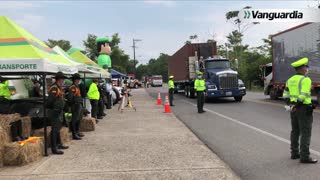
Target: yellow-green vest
(170, 84)
(93, 92)
(199, 85)
(298, 88)
(4, 90)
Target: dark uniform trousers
(171, 90)
(77, 114)
(94, 108)
(200, 101)
(301, 122)
(55, 117)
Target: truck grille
(228, 81)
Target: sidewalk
(147, 144)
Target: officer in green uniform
(298, 95)
(94, 96)
(200, 87)
(76, 102)
(55, 104)
(171, 90)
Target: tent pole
(44, 114)
(85, 89)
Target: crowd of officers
(99, 94)
(67, 102)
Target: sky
(163, 26)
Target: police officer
(298, 95)
(101, 101)
(94, 96)
(200, 87)
(76, 103)
(4, 89)
(36, 92)
(55, 104)
(171, 90)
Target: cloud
(17, 5)
(30, 22)
(169, 4)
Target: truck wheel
(136, 86)
(273, 94)
(238, 98)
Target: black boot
(58, 152)
(61, 146)
(76, 137)
(309, 160)
(80, 134)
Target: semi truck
(288, 46)
(221, 80)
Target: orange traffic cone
(167, 106)
(159, 102)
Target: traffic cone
(159, 102)
(166, 105)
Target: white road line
(252, 127)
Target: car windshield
(217, 64)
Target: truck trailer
(287, 47)
(221, 80)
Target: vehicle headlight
(212, 87)
(241, 84)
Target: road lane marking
(251, 127)
(273, 104)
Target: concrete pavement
(147, 144)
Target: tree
(63, 44)
(232, 16)
(91, 47)
(159, 66)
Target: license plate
(228, 93)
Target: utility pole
(134, 53)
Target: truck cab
(221, 80)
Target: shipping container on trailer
(288, 46)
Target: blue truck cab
(221, 80)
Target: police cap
(300, 62)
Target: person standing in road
(94, 96)
(76, 103)
(109, 90)
(297, 94)
(200, 87)
(171, 90)
(55, 104)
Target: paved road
(252, 136)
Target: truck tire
(116, 96)
(238, 98)
(273, 94)
(136, 86)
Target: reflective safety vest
(298, 88)
(199, 85)
(93, 92)
(4, 90)
(170, 84)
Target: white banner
(279, 15)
